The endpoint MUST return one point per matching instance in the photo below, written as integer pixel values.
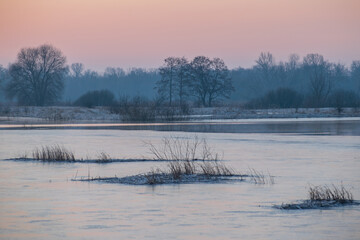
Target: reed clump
(103, 157)
(187, 157)
(53, 153)
(323, 197)
(258, 177)
(330, 193)
(178, 170)
(216, 169)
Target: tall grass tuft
(323, 197)
(211, 169)
(330, 193)
(216, 169)
(258, 177)
(176, 169)
(103, 157)
(53, 153)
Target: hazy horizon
(143, 33)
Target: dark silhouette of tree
(265, 65)
(114, 73)
(77, 69)
(91, 75)
(37, 75)
(2, 75)
(342, 98)
(168, 74)
(174, 79)
(355, 73)
(182, 79)
(317, 70)
(293, 63)
(210, 79)
(200, 77)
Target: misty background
(265, 85)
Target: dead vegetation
(323, 197)
(259, 177)
(177, 169)
(330, 193)
(183, 149)
(103, 157)
(53, 153)
(216, 169)
(189, 156)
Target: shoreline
(80, 115)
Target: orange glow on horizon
(142, 33)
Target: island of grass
(171, 149)
(60, 154)
(323, 197)
(177, 172)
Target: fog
(315, 81)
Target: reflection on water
(38, 201)
(330, 126)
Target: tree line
(41, 76)
(203, 78)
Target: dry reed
(179, 149)
(330, 193)
(53, 153)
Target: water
(39, 201)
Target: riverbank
(26, 114)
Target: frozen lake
(38, 201)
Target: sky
(142, 33)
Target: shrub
(96, 98)
(342, 98)
(280, 98)
(140, 109)
(137, 109)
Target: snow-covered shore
(21, 114)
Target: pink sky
(141, 33)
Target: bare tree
(210, 79)
(37, 75)
(265, 64)
(293, 63)
(168, 74)
(220, 81)
(114, 73)
(318, 73)
(90, 74)
(182, 78)
(77, 69)
(200, 77)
